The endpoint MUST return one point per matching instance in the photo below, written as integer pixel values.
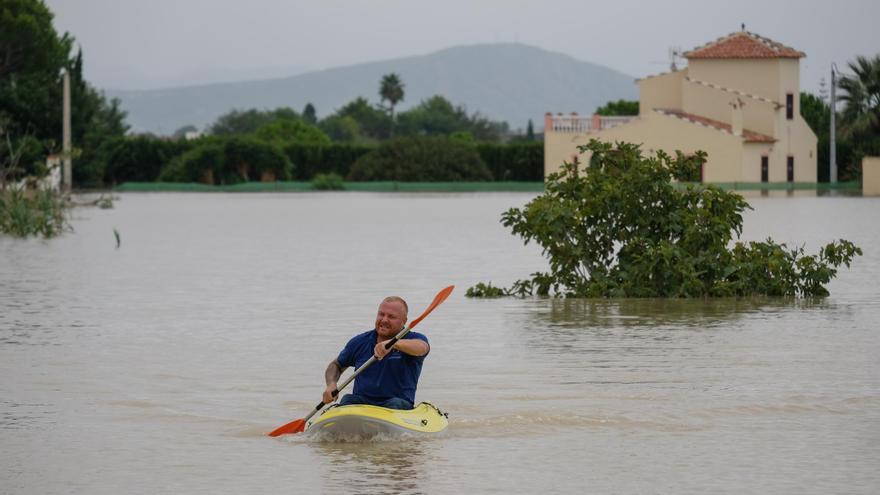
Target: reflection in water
(652, 312)
(378, 466)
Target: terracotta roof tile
(743, 44)
(749, 136)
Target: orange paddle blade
(439, 298)
(293, 427)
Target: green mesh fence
(348, 186)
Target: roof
(749, 136)
(743, 44)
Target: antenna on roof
(674, 54)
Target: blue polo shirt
(396, 375)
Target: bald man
(392, 380)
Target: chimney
(736, 118)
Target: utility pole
(66, 151)
(832, 152)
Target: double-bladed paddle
(299, 425)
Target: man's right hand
(328, 393)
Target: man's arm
(413, 347)
(331, 376)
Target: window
(790, 168)
(765, 168)
(789, 106)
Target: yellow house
(738, 100)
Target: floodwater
(158, 366)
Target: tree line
(284, 143)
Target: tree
(248, 121)
(32, 57)
(530, 131)
(29, 45)
(284, 131)
(622, 228)
(437, 115)
(391, 89)
(343, 128)
(816, 112)
(372, 122)
(619, 108)
(309, 114)
(861, 97)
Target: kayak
(368, 421)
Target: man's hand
(379, 351)
(413, 347)
(328, 393)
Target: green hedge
(514, 162)
(145, 159)
(229, 161)
(506, 162)
(421, 158)
(336, 158)
(138, 159)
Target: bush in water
(328, 182)
(621, 228)
(37, 212)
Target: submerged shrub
(620, 228)
(328, 182)
(486, 290)
(25, 213)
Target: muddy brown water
(159, 366)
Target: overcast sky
(136, 44)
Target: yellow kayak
(368, 421)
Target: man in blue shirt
(391, 381)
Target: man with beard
(391, 381)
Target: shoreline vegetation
(40, 212)
(451, 187)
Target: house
(738, 100)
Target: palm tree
(391, 89)
(861, 115)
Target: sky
(133, 44)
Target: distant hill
(509, 81)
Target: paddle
(299, 425)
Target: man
(391, 381)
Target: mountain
(509, 81)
